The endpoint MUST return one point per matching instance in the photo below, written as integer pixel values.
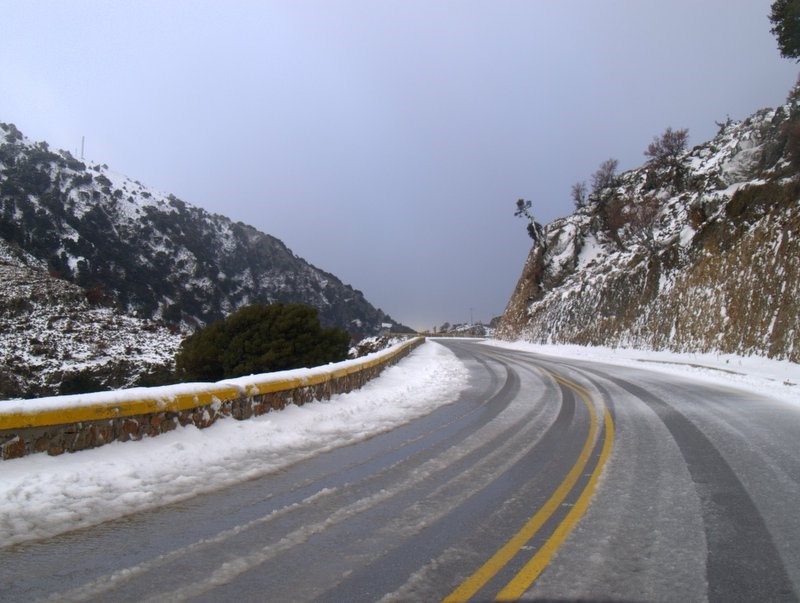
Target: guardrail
(70, 423)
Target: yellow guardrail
(112, 410)
(216, 393)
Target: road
(547, 479)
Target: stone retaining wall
(73, 436)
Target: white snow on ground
(42, 496)
(775, 378)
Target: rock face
(153, 255)
(702, 255)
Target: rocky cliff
(696, 254)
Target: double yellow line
(534, 567)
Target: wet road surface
(547, 478)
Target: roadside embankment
(70, 423)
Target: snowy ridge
(52, 334)
(150, 253)
(124, 272)
(707, 264)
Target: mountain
(699, 252)
(101, 277)
(152, 255)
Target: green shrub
(260, 339)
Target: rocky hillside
(152, 255)
(55, 341)
(696, 253)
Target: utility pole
(83, 140)
(471, 322)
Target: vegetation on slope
(695, 250)
(153, 255)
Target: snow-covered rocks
(52, 336)
(716, 266)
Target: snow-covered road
(497, 452)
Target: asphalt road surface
(547, 479)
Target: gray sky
(385, 142)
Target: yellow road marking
(528, 574)
(488, 570)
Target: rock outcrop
(702, 255)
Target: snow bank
(776, 378)
(248, 385)
(42, 496)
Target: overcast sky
(384, 141)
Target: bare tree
(605, 176)
(665, 149)
(642, 222)
(613, 212)
(665, 152)
(630, 216)
(578, 193)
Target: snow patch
(763, 376)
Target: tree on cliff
(664, 156)
(535, 230)
(785, 19)
(578, 193)
(260, 339)
(604, 179)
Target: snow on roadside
(247, 385)
(776, 378)
(42, 496)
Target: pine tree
(535, 230)
(785, 19)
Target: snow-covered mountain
(698, 254)
(151, 254)
(102, 277)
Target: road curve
(546, 479)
